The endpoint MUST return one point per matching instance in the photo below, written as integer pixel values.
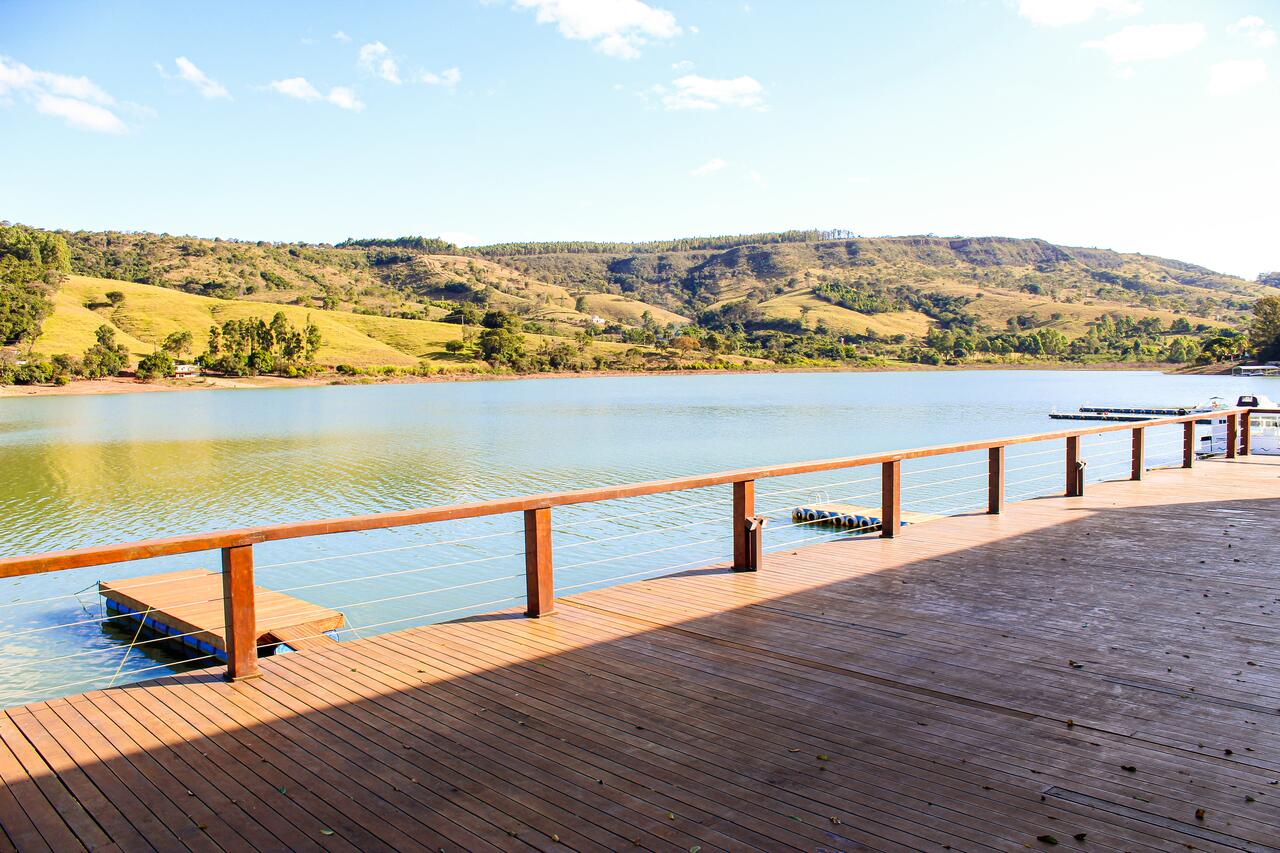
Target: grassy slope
(150, 313)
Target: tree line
(33, 264)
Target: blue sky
(1141, 125)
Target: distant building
(186, 371)
(599, 321)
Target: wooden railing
(237, 545)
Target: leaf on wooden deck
(1047, 839)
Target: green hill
(795, 297)
(148, 313)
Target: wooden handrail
(237, 545)
(190, 543)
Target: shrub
(157, 365)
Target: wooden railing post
(1139, 461)
(239, 613)
(1075, 468)
(1188, 443)
(995, 480)
(1233, 435)
(890, 498)
(746, 556)
(1244, 433)
(539, 586)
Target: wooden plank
(981, 683)
(299, 638)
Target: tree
(155, 366)
(106, 357)
(1264, 330)
(32, 266)
(115, 297)
(177, 343)
(1181, 351)
(684, 343)
(501, 347)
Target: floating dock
(1128, 413)
(857, 518)
(188, 607)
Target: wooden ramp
(1099, 673)
(188, 606)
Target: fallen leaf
(1047, 839)
(326, 832)
(1199, 814)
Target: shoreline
(130, 385)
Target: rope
(141, 624)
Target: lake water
(87, 470)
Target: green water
(78, 471)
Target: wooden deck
(1102, 670)
(189, 604)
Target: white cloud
(756, 178)
(1061, 13)
(715, 164)
(682, 65)
(301, 88)
(693, 92)
(1255, 30)
(80, 113)
(188, 72)
(1153, 41)
(376, 59)
(341, 36)
(76, 100)
(617, 28)
(296, 87)
(1236, 75)
(448, 78)
(345, 97)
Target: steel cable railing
(390, 592)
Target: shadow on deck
(1101, 671)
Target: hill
(147, 314)
(575, 283)
(793, 297)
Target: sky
(1139, 125)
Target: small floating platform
(187, 606)
(1097, 416)
(1129, 413)
(857, 518)
(1154, 411)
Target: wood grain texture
(1104, 666)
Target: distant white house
(599, 321)
(186, 371)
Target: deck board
(977, 682)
